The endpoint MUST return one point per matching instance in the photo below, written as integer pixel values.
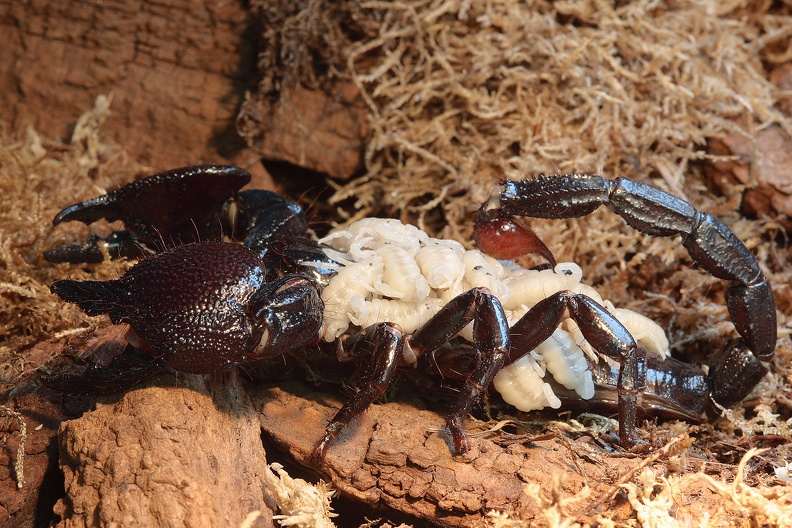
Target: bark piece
(387, 458)
(390, 457)
(309, 128)
(165, 456)
(762, 165)
(177, 70)
(43, 412)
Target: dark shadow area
(309, 188)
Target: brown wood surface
(176, 69)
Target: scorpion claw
(92, 250)
(89, 251)
(177, 206)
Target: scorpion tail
(94, 297)
(734, 372)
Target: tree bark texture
(392, 457)
(309, 128)
(176, 69)
(184, 455)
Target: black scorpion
(205, 306)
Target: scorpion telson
(387, 295)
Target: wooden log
(182, 455)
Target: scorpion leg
(490, 337)
(258, 216)
(383, 343)
(127, 369)
(119, 244)
(709, 242)
(604, 332)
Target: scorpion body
(390, 296)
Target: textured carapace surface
(188, 304)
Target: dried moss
(656, 498)
(302, 504)
(465, 93)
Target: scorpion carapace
(390, 296)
